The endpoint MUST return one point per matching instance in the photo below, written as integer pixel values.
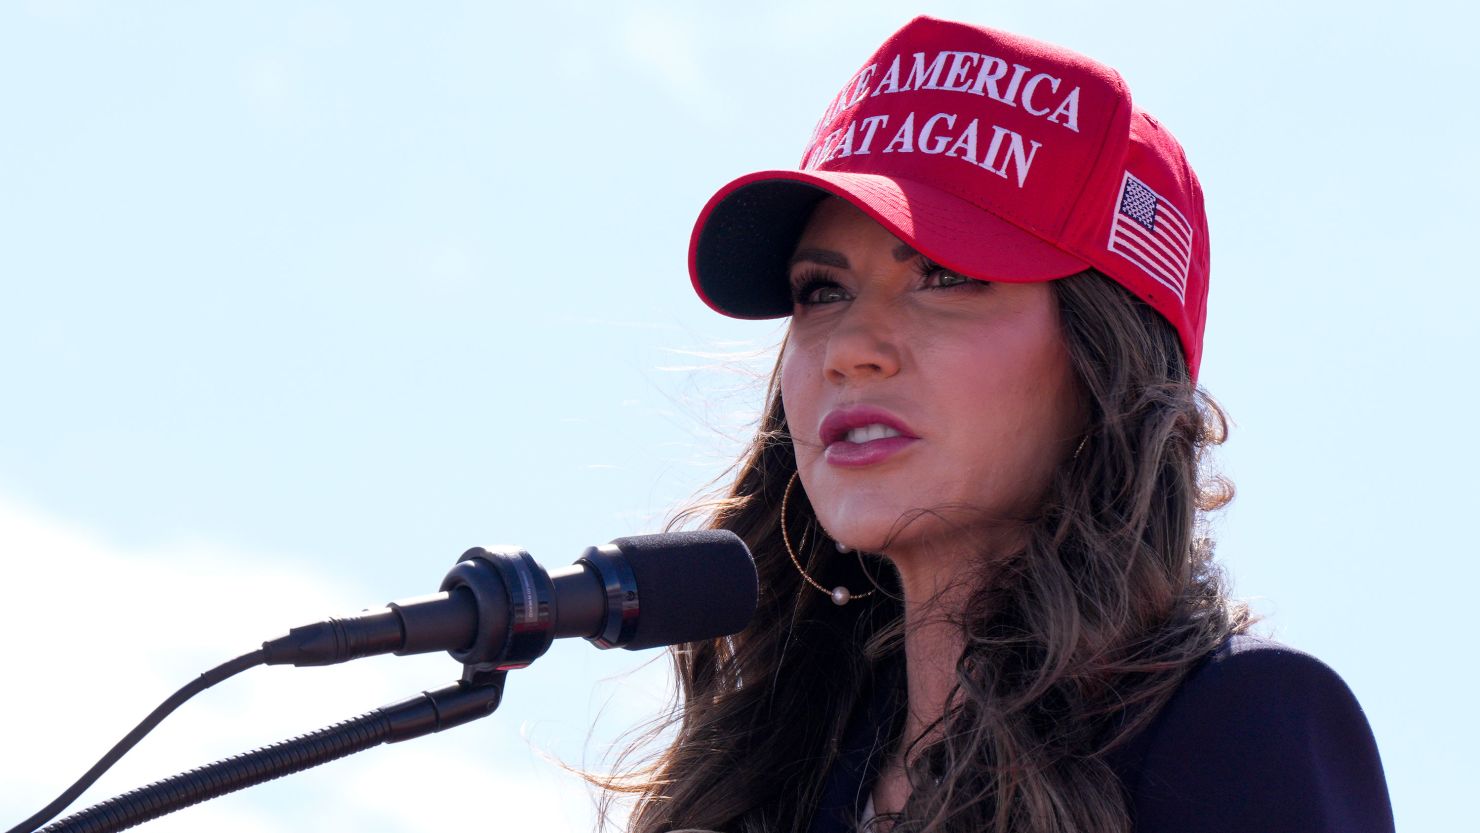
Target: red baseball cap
(995, 155)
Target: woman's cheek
(797, 402)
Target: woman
(996, 270)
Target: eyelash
(812, 280)
(807, 283)
(927, 268)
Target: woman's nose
(864, 343)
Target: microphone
(499, 609)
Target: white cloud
(462, 789)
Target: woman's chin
(876, 533)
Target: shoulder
(1259, 736)
(1251, 685)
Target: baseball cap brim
(744, 237)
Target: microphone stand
(519, 627)
(498, 610)
(476, 695)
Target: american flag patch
(1152, 234)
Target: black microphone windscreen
(691, 585)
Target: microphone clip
(514, 597)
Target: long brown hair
(1071, 645)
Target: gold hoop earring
(840, 595)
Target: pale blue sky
(303, 299)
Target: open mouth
(862, 436)
(871, 432)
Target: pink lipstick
(863, 435)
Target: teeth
(869, 433)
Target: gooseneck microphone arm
(497, 610)
(218, 674)
(430, 711)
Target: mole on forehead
(837, 260)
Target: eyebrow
(825, 257)
(837, 260)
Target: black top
(1259, 737)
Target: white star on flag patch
(1152, 234)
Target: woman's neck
(937, 586)
(932, 647)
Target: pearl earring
(840, 595)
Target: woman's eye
(818, 291)
(939, 277)
(827, 294)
